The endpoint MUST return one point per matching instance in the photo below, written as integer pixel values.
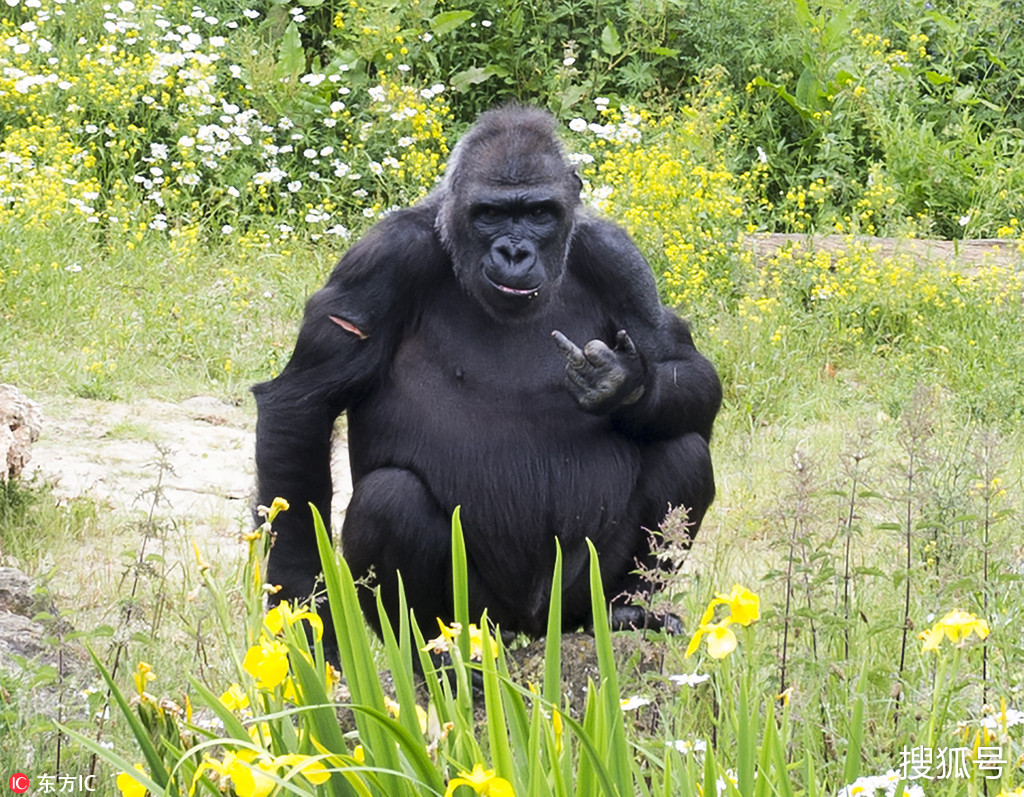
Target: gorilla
(496, 347)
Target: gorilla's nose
(514, 256)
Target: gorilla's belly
(519, 453)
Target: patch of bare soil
(199, 453)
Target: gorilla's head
(507, 212)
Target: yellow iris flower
(744, 609)
(129, 786)
(955, 626)
(142, 676)
(235, 698)
(252, 772)
(283, 614)
(444, 642)
(267, 662)
(482, 781)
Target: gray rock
(20, 424)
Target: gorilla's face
(507, 216)
(518, 242)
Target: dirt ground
(112, 452)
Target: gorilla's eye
(490, 213)
(543, 212)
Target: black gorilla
(447, 334)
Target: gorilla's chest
(467, 362)
(480, 410)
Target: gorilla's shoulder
(404, 244)
(411, 227)
(603, 254)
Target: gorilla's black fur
(447, 335)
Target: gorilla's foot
(628, 617)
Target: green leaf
(399, 659)
(157, 768)
(617, 749)
(553, 641)
(291, 59)
(497, 727)
(116, 761)
(474, 76)
(610, 42)
(357, 661)
(460, 603)
(449, 21)
(855, 736)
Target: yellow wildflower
(267, 662)
(443, 643)
(235, 698)
(721, 639)
(956, 626)
(252, 772)
(142, 676)
(744, 606)
(482, 781)
(203, 564)
(129, 786)
(312, 769)
(744, 609)
(283, 614)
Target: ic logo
(18, 783)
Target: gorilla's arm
(348, 335)
(658, 385)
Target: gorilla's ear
(576, 180)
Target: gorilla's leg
(393, 524)
(676, 472)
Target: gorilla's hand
(602, 379)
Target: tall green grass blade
(460, 605)
(423, 772)
(154, 762)
(497, 730)
(540, 740)
(516, 714)
(855, 736)
(710, 773)
(460, 583)
(353, 645)
(399, 661)
(553, 642)
(746, 740)
(602, 627)
(593, 776)
(323, 721)
(116, 761)
(616, 748)
(357, 661)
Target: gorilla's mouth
(508, 290)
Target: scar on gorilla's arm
(348, 326)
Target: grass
(868, 455)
